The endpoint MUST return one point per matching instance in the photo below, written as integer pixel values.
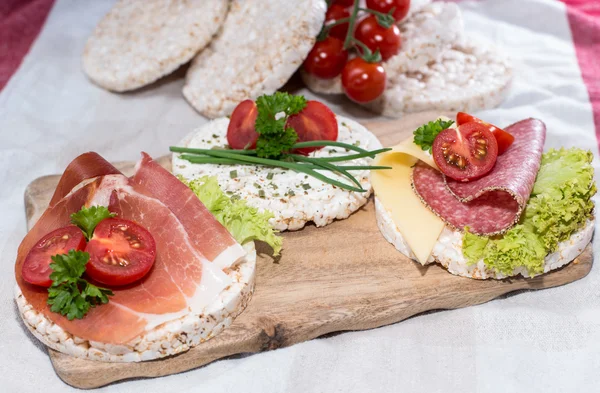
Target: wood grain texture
(344, 276)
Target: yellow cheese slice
(419, 227)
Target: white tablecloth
(533, 341)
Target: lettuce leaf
(473, 247)
(245, 223)
(559, 205)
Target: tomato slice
(241, 133)
(503, 138)
(121, 252)
(466, 153)
(36, 268)
(314, 123)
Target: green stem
(350, 34)
(326, 165)
(196, 159)
(354, 156)
(300, 145)
(283, 164)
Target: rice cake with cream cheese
(294, 198)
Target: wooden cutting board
(344, 276)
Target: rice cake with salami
(139, 41)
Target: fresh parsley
(88, 218)
(273, 111)
(69, 294)
(425, 134)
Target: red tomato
(337, 12)
(373, 35)
(466, 153)
(344, 3)
(503, 138)
(316, 122)
(36, 268)
(326, 59)
(121, 252)
(363, 81)
(401, 7)
(241, 133)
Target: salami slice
(494, 203)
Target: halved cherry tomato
(241, 133)
(401, 7)
(363, 81)
(344, 3)
(374, 36)
(503, 138)
(326, 59)
(121, 252)
(466, 153)
(334, 13)
(36, 268)
(316, 122)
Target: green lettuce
(559, 205)
(245, 223)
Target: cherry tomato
(241, 133)
(334, 13)
(316, 122)
(343, 3)
(503, 138)
(121, 252)
(466, 153)
(36, 268)
(363, 81)
(326, 59)
(373, 35)
(401, 7)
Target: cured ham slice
(182, 280)
(205, 232)
(493, 203)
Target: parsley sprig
(69, 294)
(273, 111)
(87, 218)
(276, 142)
(425, 134)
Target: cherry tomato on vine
(326, 59)
(503, 138)
(334, 13)
(343, 3)
(241, 133)
(363, 81)
(401, 7)
(375, 36)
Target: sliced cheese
(417, 224)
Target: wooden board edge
(73, 371)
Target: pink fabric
(584, 19)
(20, 23)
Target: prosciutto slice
(184, 277)
(494, 203)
